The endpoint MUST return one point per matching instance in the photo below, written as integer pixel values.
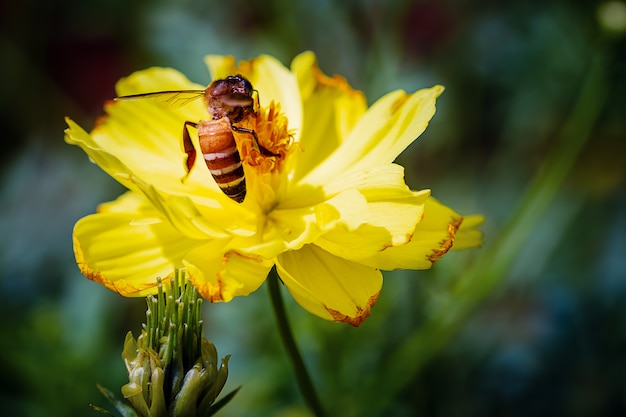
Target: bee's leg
(188, 145)
(263, 150)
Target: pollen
(275, 141)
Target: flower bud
(172, 368)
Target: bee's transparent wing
(169, 99)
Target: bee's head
(234, 90)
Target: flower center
(274, 141)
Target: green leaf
(124, 409)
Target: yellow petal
(385, 224)
(375, 183)
(198, 221)
(299, 226)
(127, 203)
(431, 239)
(155, 79)
(220, 273)
(331, 109)
(381, 134)
(127, 251)
(147, 138)
(373, 202)
(383, 213)
(328, 286)
(290, 229)
(221, 66)
(111, 164)
(468, 236)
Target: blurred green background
(532, 324)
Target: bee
(231, 104)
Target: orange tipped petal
(127, 250)
(328, 286)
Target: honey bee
(230, 102)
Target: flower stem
(302, 376)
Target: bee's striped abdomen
(219, 149)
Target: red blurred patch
(427, 27)
(86, 69)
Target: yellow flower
(325, 203)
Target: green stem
(302, 376)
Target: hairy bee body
(229, 101)
(220, 153)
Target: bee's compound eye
(219, 88)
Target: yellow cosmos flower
(325, 203)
